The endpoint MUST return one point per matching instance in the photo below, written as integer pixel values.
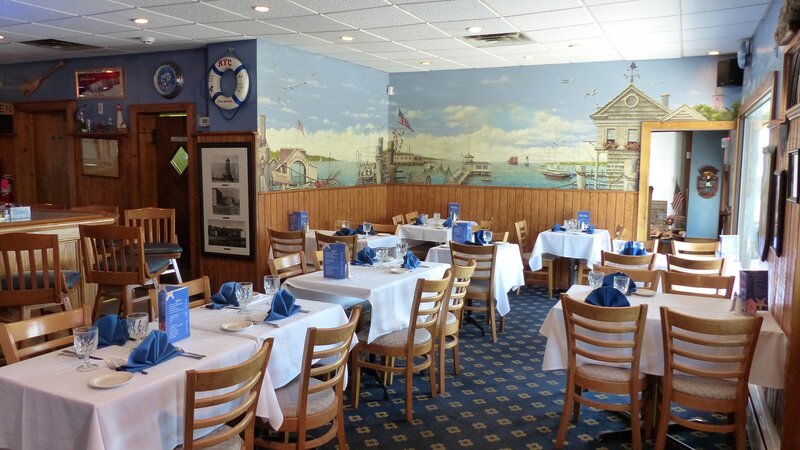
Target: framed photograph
(100, 83)
(792, 193)
(100, 157)
(780, 212)
(766, 219)
(227, 199)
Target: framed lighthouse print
(227, 199)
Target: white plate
(237, 325)
(111, 380)
(439, 227)
(383, 234)
(645, 292)
(399, 270)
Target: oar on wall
(31, 86)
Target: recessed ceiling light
(474, 29)
(2, 37)
(713, 52)
(141, 20)
(261, 8)
(425, 63)
(347, 38)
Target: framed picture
(100, 157)
(780, 212)
(227, 199)
(100, 83)
(765, 223)
(792, 193)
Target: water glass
(382, 254)
(345, 224)
(437, 216)
(367, 227)
(85, 340)
(619, 244)
(596, 279)
(244, 293)
(621, 284)
(402, 249)
(487, 236)
(138, 324)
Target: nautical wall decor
(707, 182)
(240, 93)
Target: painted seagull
(590, 93)
(566, 80)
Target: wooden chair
(480, 292)
(241, 386)
(160, 238)
(398, 219)
(384, 228)
(340, 223)
(628, 261)
(411, 217)
(698, 285)
(317, 260)
(486, 224)
(33, 259)
(288, 266)
(11, 334)
(619, 232)
(650, 246)
(113, 257)
(450, 323)
(500, 236)
(414, 341)
(199, 292)
(521, 228)
(701, 378)
(648, 278)
(695, 248)
(284, 243)
(316, 398)
(104, 210)
(603, 337)
(714, 266)
(351, 241)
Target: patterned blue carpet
(501, 400)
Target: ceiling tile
(125, 17)
(436, 44)
(105, 41)
(77, 7)
(737, 32)
(309, 24)
(541, 21)
(277, 8)
(519, 7)
(565, 33)
(490, 26)
(6, 22)
(406, 56)
(197, 12)
(449, 11)
(544, 58)
(638, 9)
(350, 55)
(376, 47)
(580, 57)
(148, 3)
(358, 35)
(403, 32)
(723, 17)
(710, 44)
(522, 49)
(646, 38)
(695, 6)
(41, 31)
(480, 62)
(195, 31)
(644, 54)
(329, 6)
(292, 39)
(88, 25)
(458, 52)
(249, 27)
(633, 27)
(28, 13)
(644, 47)
(578, 44)
(385, 16)
(703, 52)
(159, 37)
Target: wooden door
(51, 156)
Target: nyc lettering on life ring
(239, 95)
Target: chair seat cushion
(478, 286)
(289, 396)
(233, 443)
(154, 263)
(451, 318)
(714, 388)
(606, 373)
(162, 248)
(396, 339)
(71, 276)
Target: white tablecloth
(47, 404)
(570, 245)
(379, 240)
(390, 294)
(429, 232)
(769, 361)
(507, 275)
(287, 350)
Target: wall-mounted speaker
(729, 73)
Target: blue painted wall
(702, 218)
(766, 55)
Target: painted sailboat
(513, 160)
(553, 170)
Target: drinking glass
(619, 244)
(367, 227)
(621, 284)
(138, 323)
(402, 249)
(85, 340)
(272, 283)
(382, 254)
(437, 216)
(595, 279)
(244, 293)
(487, 236)
(345, 224)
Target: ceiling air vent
(56, 44)
(498, 39)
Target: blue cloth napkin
(225, 297)
(418, 221)
(558, 227)
(608, 281)
(630, 249)
(360, 230)
(410, 261)
(448, 222)
(365, 257)
(345, 232)
(282, 306)
(111, 330)
(480, 239)
(607, 296)
(589, 229)
(153, 350)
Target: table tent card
(453, 209)
(753, 290)
(298, 220)
(173, 311)
(334, 261)
(584, 219)
(462, 232)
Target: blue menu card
(584, 217)
(334, 261)
(298, 220)
(173, 311)
(453, 209)
(462, 232)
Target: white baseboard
(761, 430)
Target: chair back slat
(695, 248)
(288, 266)
(628, 261)
(351, 241)
(385, 228)
(398, 219)
(283, 243)
(698, 285)
(12, 334)
(114, 254)
(485, 257)
(706, 266)
(521, 228)
(411, 216)
(157, 224)
(199, 292)
(30, 269)
(648, 278)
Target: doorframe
(191, 149)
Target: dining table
(570, 244)
(377, 240)
(508, 271)
(388, 287)
(769, 361)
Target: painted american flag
(401, 119)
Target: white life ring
(215, 86)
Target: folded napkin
(111, 330)
(607, 296)
(153, 350)
(360, 230)
(418, 221)
(345, 232)
(282, 306)
(589, 229)
(480, 238)
(410, 261)
(608, 281)
(448, 222)
(366, 256)
(225, 297)
(558, 227)
(630, 249)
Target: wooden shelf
(101, 134)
